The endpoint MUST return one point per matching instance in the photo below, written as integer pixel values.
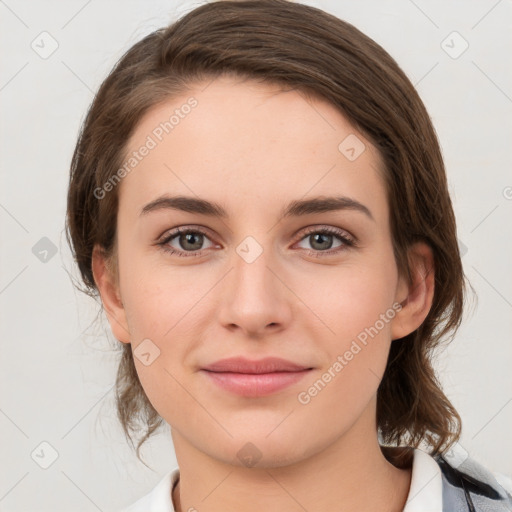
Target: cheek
(356, 304)
(351, 298)
(354, 363)
(156, 299)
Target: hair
(304, 48)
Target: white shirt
(425, 492)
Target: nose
(256, 299)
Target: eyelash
(348, 242)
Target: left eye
(322, 241)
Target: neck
(351, 474)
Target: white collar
(425, 492)
(159, 499)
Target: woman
(259, 197)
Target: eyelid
(171, 233)
(326, 228)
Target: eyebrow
(295, 208)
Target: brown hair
(297, 46)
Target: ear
(415, 297)
(110, 295)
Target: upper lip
(243, 365)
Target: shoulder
(469, 486)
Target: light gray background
(58, 370)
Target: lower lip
(253, 385)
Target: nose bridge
(253, 256)
(255, 297)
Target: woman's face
(255, 283)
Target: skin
(253, 148)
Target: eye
(188, 240)
(321, 240)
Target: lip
(255, 378)
(243, 365)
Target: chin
(257, 450)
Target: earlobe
(110, 296)
(419, 293)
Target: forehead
(230, 138)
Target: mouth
(255, 378)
